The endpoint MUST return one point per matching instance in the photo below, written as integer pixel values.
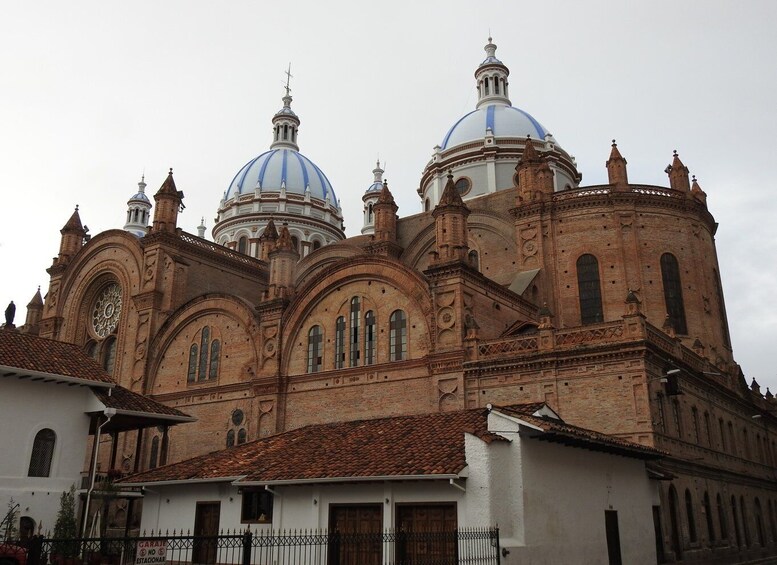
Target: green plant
(65, 528)
(10, 531)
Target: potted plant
(65, 546)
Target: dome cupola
(138, 211)
(370, 197)
(483, 147)
(284, 184)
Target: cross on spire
(289, 76)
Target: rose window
(106, 310)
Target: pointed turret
(616, 168)
(697, 192)
(34, 314)
(450, 220)
(385, 210)
(138, 211)
(169, 201)
(283, 262)
(535, 176)
(678, 174)
(73, 235)
(267, 240)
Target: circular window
(237, 416)
(106, 310)
(463, 185)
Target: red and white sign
(151, 552)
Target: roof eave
(171, 482)
(7, 370)
(375, 478)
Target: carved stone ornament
(106, 310)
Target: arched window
(92, 350)
(241, 436)
(356, 317)
(369, 338)
(474, 260)
(589, 290)
(736, 520)
(242, 245)
(191, 375)
(759, 522)
(230, 438)
(496, 85)
(678, 428)
(746, 443)
(397, 336)
(732, 439)
(485, 84)
(202, 374)
(673, 292)
(695, 421)
(427, 205)
(369, 213)
(722, 523)
(722, 430)
(674, 521)
(109, 354)
(708, 515)
(314, 349)
(691, 518)
(42, 453)
(340, 342)
(661, 414)
(154, 458)
(772, 523)
(316, 245)
(707, 428)
(295, 243)
(215, 348)
(745, 525)
(285, 131)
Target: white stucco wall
(26, 408)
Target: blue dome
(375, 187)
(140, 196)
(504, 121)
(277, 166)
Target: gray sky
(92, 94)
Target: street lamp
(108, 413)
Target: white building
(557, 492)
(52, 398)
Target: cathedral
(515, 284)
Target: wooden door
(355, 534)
(206, 531)
(427, 533)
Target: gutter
(377, 478)
(182, 481)
(171, 417)
(21, 373)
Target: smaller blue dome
(140, 196)
(273, 168)
(375, 187)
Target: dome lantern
(285, 122)
(491, 76)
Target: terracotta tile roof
(33, 353)
(561, 432)
(427, 445)
(123, 399)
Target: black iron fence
(264, 547)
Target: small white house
(52, 397)
(558, 493)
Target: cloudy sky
(94, 94)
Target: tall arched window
(369, 338)
(397, 336)
(340, 342)
(215, 348)
(242, 245)
(589, 290)
(153, 460)
(759, 522)
(736, 520)
(230, 438)
(708, 514)
(722, 522)
(474, 260)
(204, 346)
(695, 422)
(314, 349)
(674, 520)
(707, 428)
(745, 525)
(691, 518)
(191, 375)
(242, 436)
(722, 430)
(109, 354)
(356, 317)
(369, 213)
(673, 292)
(42, 453)
(678, 427)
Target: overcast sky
(92, 94)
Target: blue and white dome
(282, 168)
(503, 121)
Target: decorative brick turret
(697, 192)
(267, 240)
(616, 168)
(73, 235)
(450, 219)
(283, 262)
(34, 314)
(169, 201)
(535, 177)
(385, 211)
(678, 175)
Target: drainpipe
(109, 413)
